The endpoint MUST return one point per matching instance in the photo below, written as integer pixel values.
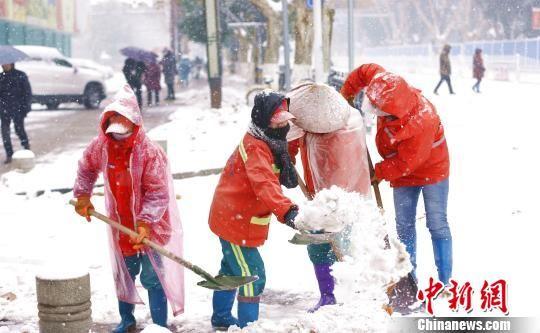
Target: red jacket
(247, 194)
(478, 66)
(411, 141)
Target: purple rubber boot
(326, 286)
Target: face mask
(278, 133)
(368, 107)
(117, 128)
(120, 137)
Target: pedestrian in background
(15, 103)
(133, 71)
(198, 62)
(478, 69)
(168, 66)
(184, 69)
(152, 81)
(445, 69)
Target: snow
(493, 215)
(23, 153)
(155, 329)
(331, 210)
(61, 272)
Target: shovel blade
(403, 296)
(307, 239)
(227, 282)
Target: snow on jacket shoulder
(247, 194)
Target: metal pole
(212, 49)
(174, 27)
(286, 46)
(350, 17)
(317, 41)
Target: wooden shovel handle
(161, 250)
(375, 185)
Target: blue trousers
(435, 202)
(243, 261)
(149, 278)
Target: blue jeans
(149, 278)
(435, 202)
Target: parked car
(106, 71)
(54, 79)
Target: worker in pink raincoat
(139, 194)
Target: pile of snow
(24, 160)
(24, 153)
(58, 271)
(318, 108)
(364, 275)
(331, 210)
(153, 328)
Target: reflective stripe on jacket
(247, 195)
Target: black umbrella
(139, 54)
(10, 55)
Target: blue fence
(527, 49)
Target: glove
(143, 229)
(291, 216)
(83, 207)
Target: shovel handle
(161, 250)
(303, 186)
(375, 185)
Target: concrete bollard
(64, 304)
(24, 160)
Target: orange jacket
(411, 141)
(247, 195)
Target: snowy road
(53, 132)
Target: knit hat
(265, 105)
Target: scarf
(275, 138)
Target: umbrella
(139, 54)
(10, 55)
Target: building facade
(38, 22)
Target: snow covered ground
(493, 214)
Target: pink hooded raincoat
(153, 201)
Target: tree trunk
(303, 33)
(243, 47)
(273, 31)
(328, 23)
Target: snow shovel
(210, 282)
(402, 295)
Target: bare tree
(273, 30)
(327, 25)
(303, 33)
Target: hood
(265, 104)
(125, 103)
(392, 94)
